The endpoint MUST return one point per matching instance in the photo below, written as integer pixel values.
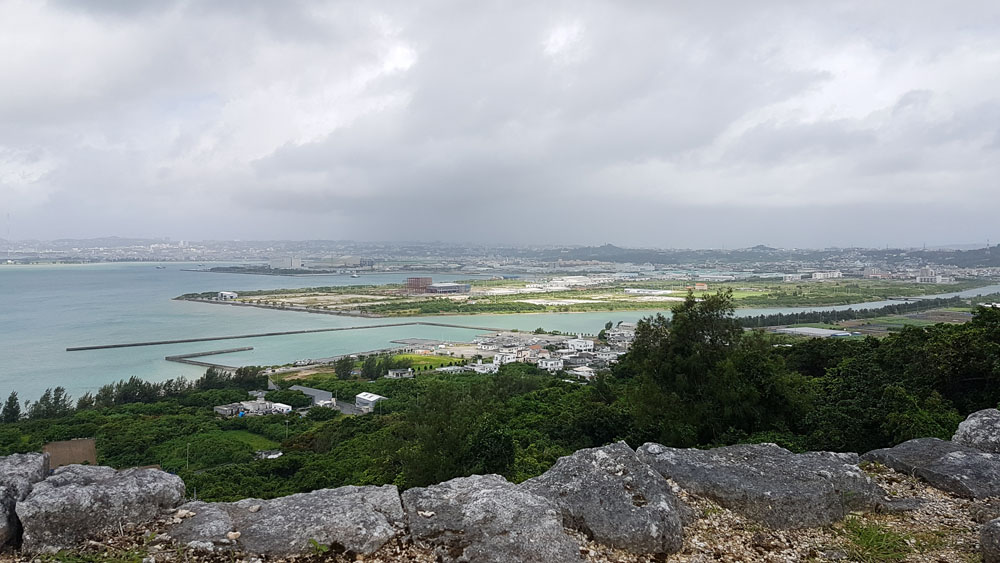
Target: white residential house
(366, 401)
(551, 364)
(480, 367)
(580, 344)
(607, 355)
(489, 346)
(227, 295)
(504, 358)
(399, 373)
(583, 371)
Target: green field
(255, 441)
(428, 362)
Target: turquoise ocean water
(45, 309)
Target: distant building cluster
(363, 402)
(256, 407)
(578, 356)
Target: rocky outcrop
(614, 498)
(18, 474)
(980, 430)
(358, 520)
(951, 467)
(80, 502)
(770, 484)
(989, 541)
(486, 519)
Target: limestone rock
(989, 541)
(913, 454)
(80, 502)
(770, 484)
(18, 474)
(613, 498)
(355, 519)
(980, 430)
(951, 467)
(484, 518)
(208, 522)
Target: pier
(281, 333)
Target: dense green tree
(344, 367)
(11, 409)
(370, 368)
(52, 404)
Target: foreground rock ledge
(954, 468)
(486, 519)
(770, 484)
(981, 430)
(79, 502)
(358, 520)
(18, 474)
(613, 498)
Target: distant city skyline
(657, 125)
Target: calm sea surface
(45, 309)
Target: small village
(577, 357)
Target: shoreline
(361, 314)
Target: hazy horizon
(651, 125)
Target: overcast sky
(667, 124)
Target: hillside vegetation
(696, 380)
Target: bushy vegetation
(833, 317)
(698, 379)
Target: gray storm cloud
(643, 123)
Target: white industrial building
(227, 295)
(366, 401)
(580, 344)
(288, 263)
(814, 332)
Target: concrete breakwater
(186, 358)
(277, 333)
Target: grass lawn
(434, 362)
(255, 441)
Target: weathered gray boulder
(989, 541)
(359, 520)
(770, 484)
(980, 430)
(951, 467)
(18, 474)
(909, 456)
(484, 518)
(613, 498)
(79, 502)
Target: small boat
(161, 267)
(355, 276)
